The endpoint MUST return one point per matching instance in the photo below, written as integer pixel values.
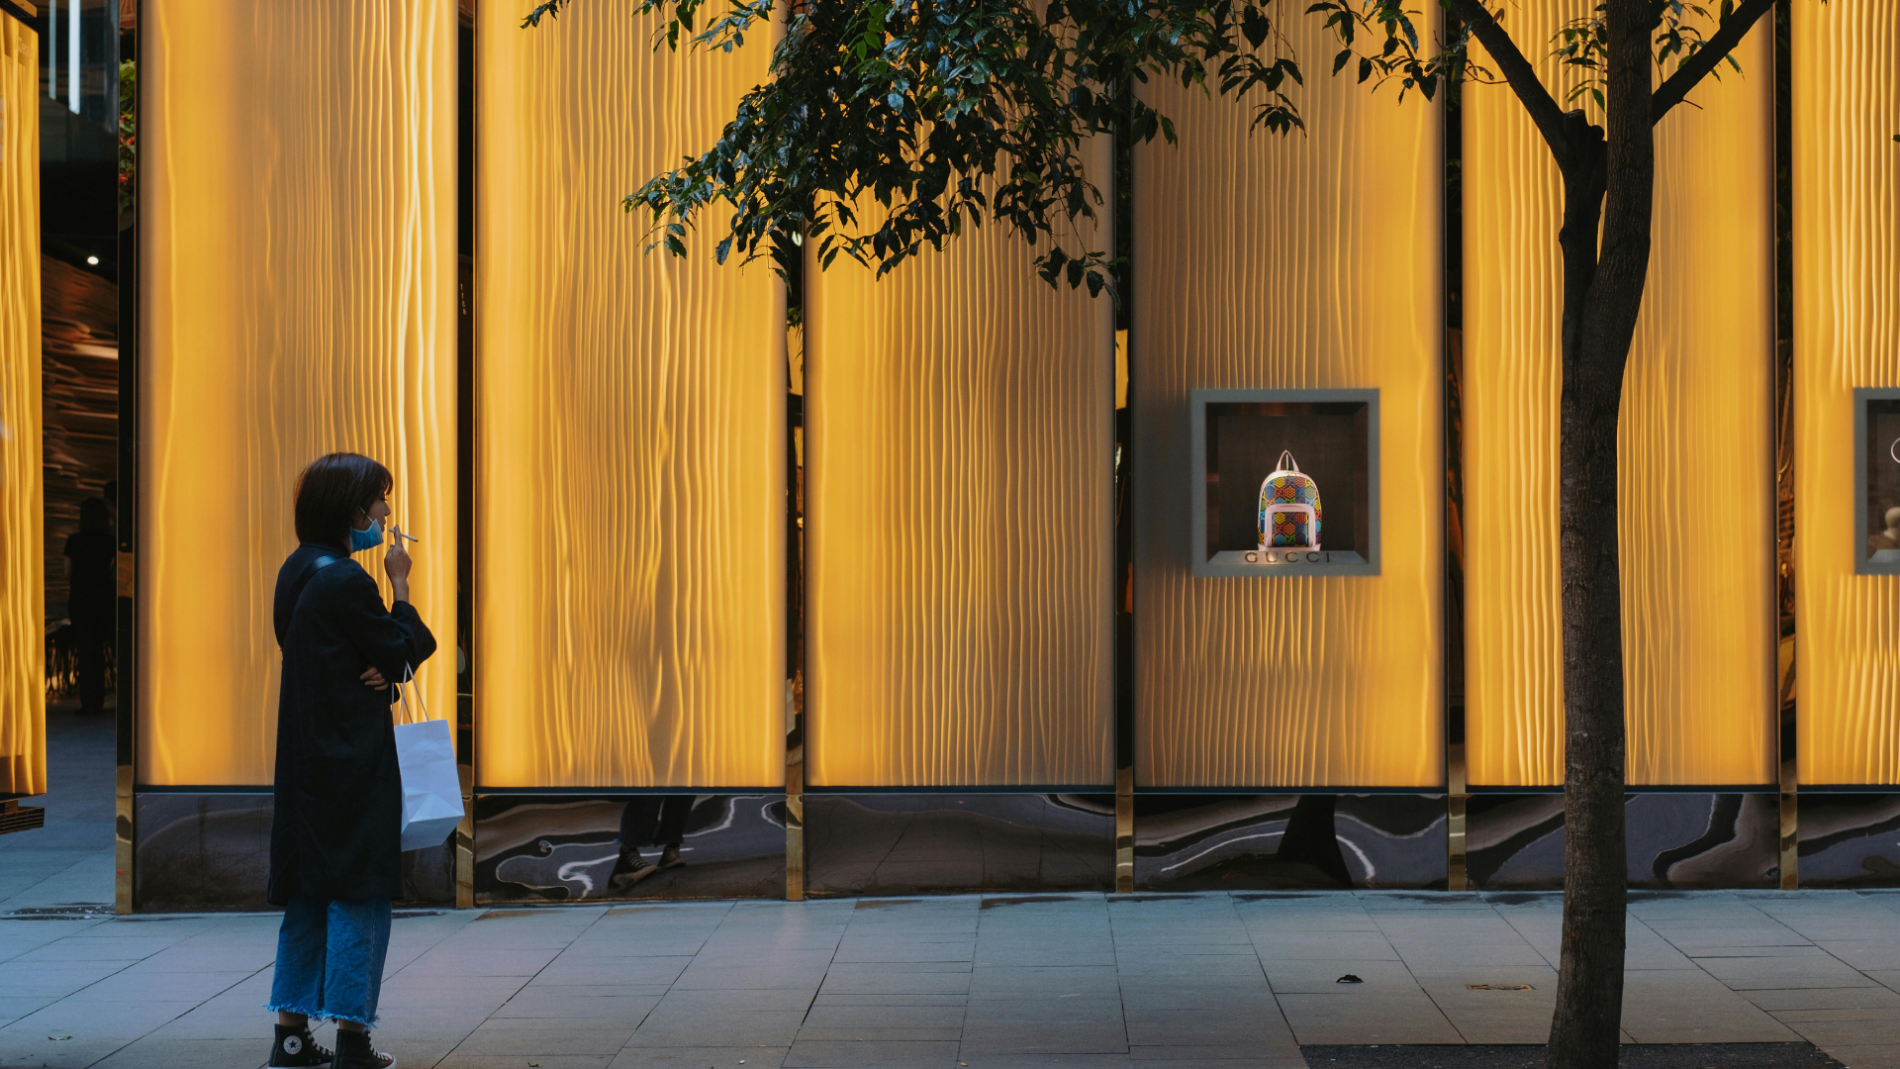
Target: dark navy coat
(336, 828)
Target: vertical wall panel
(1846, 69)
(959, 523)
(1296, 263)
(22, 578)
(630, 510)
(1696, 471)
(297, 297)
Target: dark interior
(1327, 440)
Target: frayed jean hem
(317, 1015)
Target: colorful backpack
(1289, 508)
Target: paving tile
(881, 1054)
(152, 1053)
(589, 1003)
(547, 1035)
(1673, 1006)
(671, 1027)
(1871, 1029)
(1865, 953)
(1880, 1056)
(1099, 1060)
(989, 983)
(906, 978)
(1783, 972)
(1378, 978)
(826, 999)
(1044, 1026)
(1389, 1018)
(700, 1058)
(1495, 1015)
(1778, 1000)
(834, 1023)
(458, 1060)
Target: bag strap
(1286, 461)
(402, 696)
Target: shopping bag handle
(402, 695)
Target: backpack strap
(1286, 461)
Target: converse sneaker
(296, 1049)
(629, 870)
(354, 1051)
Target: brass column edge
(1786, 649)
(126, 666)
(1451, 383)
(1124, 831)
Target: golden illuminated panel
(630, 501)
(22, 575)
(1846, 70)
(297, 202)
(1309, 262)
(1695, 465)
(959, 523)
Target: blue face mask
(368, 538)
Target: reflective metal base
(1850, 840)
(1515, 842)
(212, 852)
(1288, 842)
(562, 848)
(902, 844)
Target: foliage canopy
(889, 125)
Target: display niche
(1877, 481)
(1286, 482)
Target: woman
(335, 849)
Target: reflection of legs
(672, 828)
(636, 829)
(91, 656)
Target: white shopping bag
(431, 790)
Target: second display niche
(1286, 482)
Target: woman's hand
(396, 565)
(373, 679)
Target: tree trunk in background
(1610, 180)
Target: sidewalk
(1083, 981)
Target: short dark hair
(332, 490)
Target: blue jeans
(330, 958)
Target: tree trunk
(1607, 181)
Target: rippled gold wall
(1695, 464)
(22, 580)
(1846, 70)
(959, 525)
(1299, 263)
(297, 206)
(630, 501)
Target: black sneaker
(629, 870)
(354, 1051)
(297, 1049)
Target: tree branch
(1712, 52)
(1518, 72)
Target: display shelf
(1285, 482)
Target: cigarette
(405, 534)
